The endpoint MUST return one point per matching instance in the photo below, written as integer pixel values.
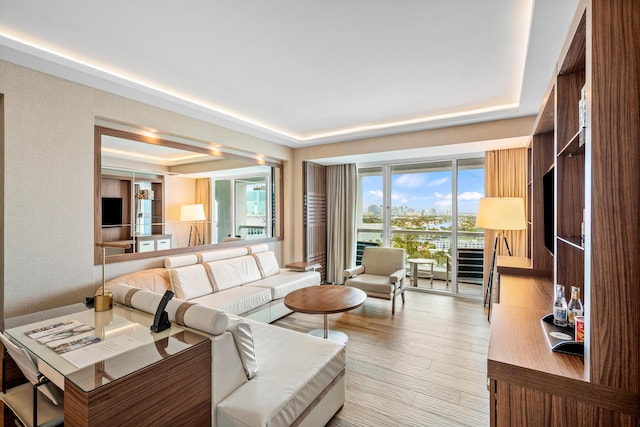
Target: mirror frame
(99, 131)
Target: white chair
(38, 400)
(381, 274)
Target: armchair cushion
(382, 261)
(371, 283)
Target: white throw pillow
(243, 337)
(190, 282)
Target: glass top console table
(162, 378)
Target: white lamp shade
(501, 213)
(192, 213)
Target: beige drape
(342, 187)
(505, 176)
(203, 196)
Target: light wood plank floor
(425, 366)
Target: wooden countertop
(519, 353)
(515, 265)
(518, 349)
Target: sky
(427, 190)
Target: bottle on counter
(575, 307)
(560, 307)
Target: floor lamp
(500, 214)
(193, 213)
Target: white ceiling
(301, 72)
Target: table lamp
(500, 214)
(193, 213)
(103, 300)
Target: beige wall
(48, 183)
(48, 180)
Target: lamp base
(103, 302)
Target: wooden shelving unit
(596, 179)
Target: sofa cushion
(254, 249)
(267, 263)
(238, 300)
(223, 254)
(233, 272)
(287, 281)
(243, 337)
(285, 385)
(190, 282)
(180, 261)
(155, 279)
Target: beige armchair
(381, 275)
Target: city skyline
(424, 192)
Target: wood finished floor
(425, 366)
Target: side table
(326, 299)
(415, 262)
(302, 266)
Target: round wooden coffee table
(326, 299)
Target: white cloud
(470, 195)
(437, 182)
(442, 200)
(376, 193)
(410, 180)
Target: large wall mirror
(172, 195)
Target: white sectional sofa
(262, 375)
(245, 281)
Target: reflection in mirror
(164, 195)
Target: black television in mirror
(548, 200)
(112, 211)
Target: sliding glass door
(410, 206)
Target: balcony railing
(434, 244)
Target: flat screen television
(112, 211)
(548, 200)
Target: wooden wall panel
(615, 206)
(315, 216)
(543, 158)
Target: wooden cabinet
(596, 239)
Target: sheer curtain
(506, 176)
(203, 196)
(342, 187)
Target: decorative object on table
(103, 300)
(561, 339)
(193, 213)
(500, 214)
(161, 319)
